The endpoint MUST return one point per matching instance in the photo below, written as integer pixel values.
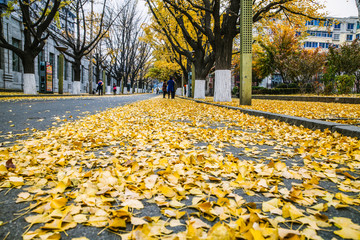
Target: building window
(337, 26)
(357, 36)
(1, 57)
(58, 66)
(320, 34)
(358, 25)
(66, 70)
(311, 44)
(16, 59)
(349, 37)
(350, 26)
(324, 45)
(312, 23)
(336, 36)
(41, 56)
(327, 23)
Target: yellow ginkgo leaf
(58, 202)
(221, 231)
(133, 203)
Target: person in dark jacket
(114, 89)
(171, 88)
(100, 87)
(164, 88)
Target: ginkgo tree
(185, 40)
(220, 25)
(36, 17)
(162, 64)
(129, 51)
(277, 50)
(89, 30)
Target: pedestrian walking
(114, 88)
(171, 88)
(100, 87)
(164, 88)
(185, 90)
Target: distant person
(164, 88)
(114, 88)
(157, 90)
(100, 87)
(185, 90)
(171, 88)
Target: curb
(350, 100)
(344, 129)
(33, 96)
(72, 95)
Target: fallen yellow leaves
(154, 169)
(335, 112)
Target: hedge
(274, 91)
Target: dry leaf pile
(209, 173)
(334, 112)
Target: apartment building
(335, 31)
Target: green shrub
(329, 80)
(344, 83)
(274, 91)
(235, 91)
(282, 85)
(293, 85)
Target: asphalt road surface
(19, 117)
(42, 114)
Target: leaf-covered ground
(10, 98)
(334, 112)
(175, 169)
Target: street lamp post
(245, 52)
(61, 49)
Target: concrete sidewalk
(344, 129)
(328, 99)
(60, 95)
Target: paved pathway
(19, 115)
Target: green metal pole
(61, 73)
(245, 52)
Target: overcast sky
(341, 8)
(335, 8)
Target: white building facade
(336, 31)
(11, 70)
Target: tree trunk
(29, 75)
(77, 76)
(223, 53)
(122, 85)
(200, 76)
(77, 70)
